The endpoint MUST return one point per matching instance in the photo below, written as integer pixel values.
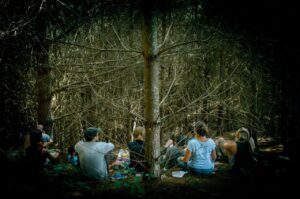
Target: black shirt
(137, 159)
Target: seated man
(173, 150)
(92, 153)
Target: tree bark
(151, 91)
(44, 89)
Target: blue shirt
(45, 138)
(201, 153)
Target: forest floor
(274, 175)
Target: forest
(119, 64)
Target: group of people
(197, 153)
(194, 151)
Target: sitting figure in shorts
(238, 152)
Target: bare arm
(52, 156)
(187, 155)
(214, 155)
(46, 144)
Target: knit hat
(92, 132)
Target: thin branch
(166, 37)
(80, 82)
(92, 48)
(205, 96)
(169, 90)
(119, 37)
(68, 8)
(181, 44)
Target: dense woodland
(163, 65)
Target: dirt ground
(274, 175)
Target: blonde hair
(138, 131)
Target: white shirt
(91, 157)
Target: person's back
(136, 149)
(245, 147)
(200, 153)
(91, 154)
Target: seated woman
(38, 156)
(200, 153)
(136, 150)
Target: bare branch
(169, 90)
(181, 44)
(207, 95)
(166, 37)
(118, 37)
(80, 82)
(92, 48)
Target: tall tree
(151, 89)
(44, 78)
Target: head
(40, 127)
(179, 140)
(91, 133)
(35, 136)
(219, 141)
(190, 132)
(138, 133)
(201, 128)
(242, 135)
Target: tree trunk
(151, 91)
(221, 105)
(44, 89)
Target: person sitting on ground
(37, 155)
(244, 158)
(226, 150)
(174, 149)
(92, 153)
(200, 153)
(136, 150)
(46, 139)
(72, 156)
(238, 152)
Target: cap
(92, 131)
